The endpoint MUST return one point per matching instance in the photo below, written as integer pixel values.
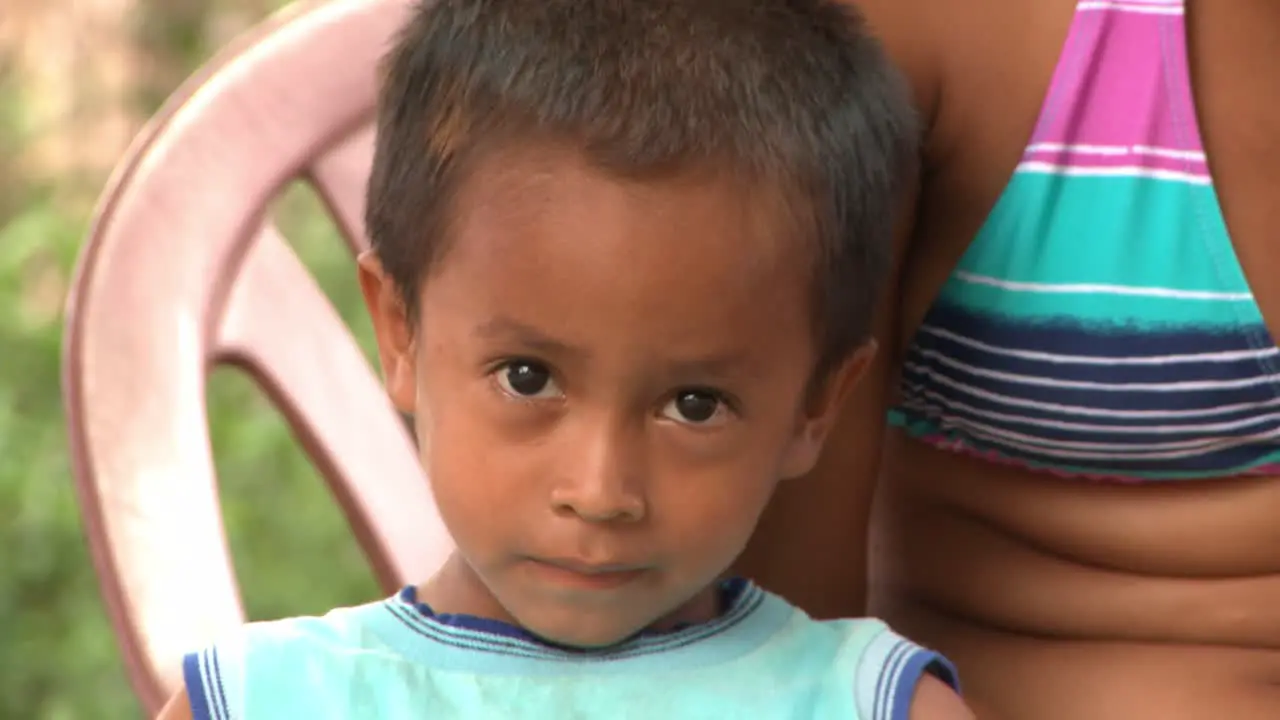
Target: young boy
(625, 256)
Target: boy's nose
(602, 478)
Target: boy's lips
(602, 576)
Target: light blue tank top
(763, 658)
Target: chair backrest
(182, 272)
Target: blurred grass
(58, 657)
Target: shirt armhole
(213, 687)
(889, 671)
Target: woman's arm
(811, 543)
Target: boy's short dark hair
(791, 91)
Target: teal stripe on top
(1142, 245)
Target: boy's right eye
(526, 380)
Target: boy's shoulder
(883, 667)
(272, 665)
(384, 659)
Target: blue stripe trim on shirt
(918, 661)
(886, 685)
(503, 643)
(216, 666)
(193, 675)
(729, 592)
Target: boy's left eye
(694, 407)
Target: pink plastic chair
(180, 273)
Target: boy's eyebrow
(505, 328)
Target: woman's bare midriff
(1059, 598)
(1063, 599)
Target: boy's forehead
(531, 197)
(688, 257)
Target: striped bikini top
(1100, 325)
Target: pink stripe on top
(1121, 88)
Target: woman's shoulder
(947, 49)
(909, 39)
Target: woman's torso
(1066, 597)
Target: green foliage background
(58, 657)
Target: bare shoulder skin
(178, 708)
(934, 700)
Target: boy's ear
(393, 331)
(822, 409)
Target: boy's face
(609, 377)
